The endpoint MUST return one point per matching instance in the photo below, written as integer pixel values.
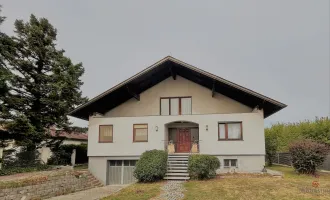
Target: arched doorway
(183, 136)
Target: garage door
(121, 172)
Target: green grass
(137, 191)
(259, 187)
(240, 186)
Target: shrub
(203, 166)
(151, 166)
(271, 147)
(307, 155)
(62, 155)
(20, 159)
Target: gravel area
(172, 190)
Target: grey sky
(277, 48)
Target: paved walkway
(91, 194)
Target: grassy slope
(138, 191)
(262, 187)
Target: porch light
(156, 128)
(207, 127)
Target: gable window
(105, 133)
(230, 162)
(230, 131)
(140, 133)
(175, 106)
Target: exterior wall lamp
(156, 128)
(207, 127)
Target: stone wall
(49, 186)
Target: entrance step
(177, 161)
(179, 154)
(176, 167)
(177, 170)
(176, 178)
(178, 158)
(176, 174)
(177, 164)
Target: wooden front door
(183, 142)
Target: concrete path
(91, 194)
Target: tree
(271, 147)
(42, 84)
(6, 50)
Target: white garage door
(121, 172)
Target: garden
(302, 180)
(23, 161)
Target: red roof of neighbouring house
(72, 136)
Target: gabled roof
(163, 69)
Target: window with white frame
(230, 162)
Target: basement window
(230, 163)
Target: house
(172, 103)
(68, 138)
(45, 152)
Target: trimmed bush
(202, 166)
(307, 155)
(151, 166)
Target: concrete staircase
(177, 167)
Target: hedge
(202, 166)
(151, 166)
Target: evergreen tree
(40, 86)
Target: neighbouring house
(174, 106)
(68, 138)
(45, 152)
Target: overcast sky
(278, 48)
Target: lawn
(292, 187)
(138, 191)
(237, 186)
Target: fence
(285, 159)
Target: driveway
(91, 194)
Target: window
(129, 163)
(140, 133)
(105, 133)
(230, 162)
(119, 163)
(230, 131)
(175, 106)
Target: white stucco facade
(249, 151)
(123, 145)
(207, 113)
